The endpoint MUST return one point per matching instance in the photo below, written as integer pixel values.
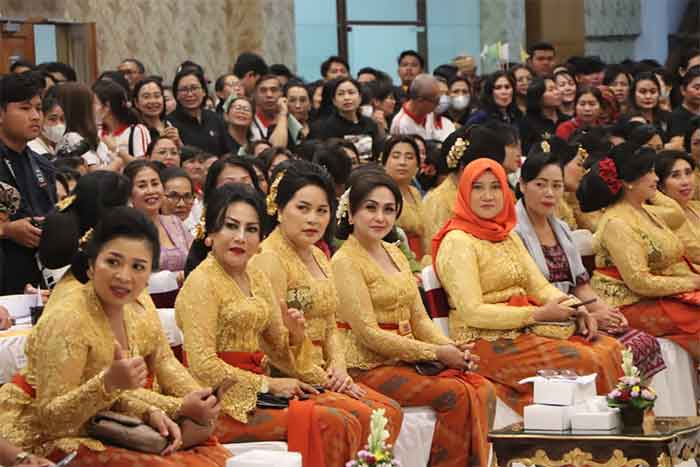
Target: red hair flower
(608, 172)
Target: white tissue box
(547, 417)
(596, 420)
(554, 391)
(261, 458)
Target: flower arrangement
(631, 391)
(377, 453)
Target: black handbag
(430, 368)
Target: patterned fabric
(340, 431)
(411, 221)
(465, 410)
(652, 316)
(210, 455)
(645, 251)
(67, 353)
(173, 258)
(506, 361)
(558, 265)
(646, 350)
(369, 296)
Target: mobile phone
(580, 304)
(67, 460)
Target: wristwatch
(21, 457)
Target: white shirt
(431, 128)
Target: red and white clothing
(139, 141)
(430, 127)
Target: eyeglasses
(241, 108)
(189, 90)
(176, 197)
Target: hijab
(464, 218)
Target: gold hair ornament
(65, 203)
(343, 205)
(82, 243)
(271, 200)
(546, 147)
(456, 152)
(200, 230)
(582, 153)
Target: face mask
(443, 105)
(366, 110)
(460, 102)
(54, 133)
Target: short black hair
(138, 64)
(60, 67)
(219, 83)
(542, 45)
(335, 160)
(411, 53)
(20, 87)
(247, 62)
(21, 63)
(114, 76)
(333, 59)
(280, 69)
(446, 71)
(368, 70)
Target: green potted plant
(632, 395)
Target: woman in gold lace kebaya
(640, 263)
(499, 299)
(301, 276)
(458, 150)
(232, 324)
(400, 158)
(90, 352)
(676, 172)
(389, 337)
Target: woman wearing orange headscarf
(519, 322)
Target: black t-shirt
(679, 122)
(35, 179)
(336, 126)
(535, 128)
(209, 135)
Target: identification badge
(404, 328)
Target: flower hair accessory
(343, 205)
(456, 151)
(65, 203)
(608, 172)
(271, 200)
(200, 230)
(546, 147)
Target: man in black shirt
(30, 173)
(679, 123)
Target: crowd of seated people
(295, 218)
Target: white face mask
(54, 133)
(460, 102)
(366, 111)
(443, 105)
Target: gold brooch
(456, 152)
(582, 153)
(271, 200)
(299, 298)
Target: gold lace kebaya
(569, 210)
(438, 207)
(480, 276)
(315, 297)
(411, 219)
(67, 355)
(372, 300)
(216, 316)
(646, 253)
(689, 231)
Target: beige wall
(163, 33)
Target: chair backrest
(435, 295)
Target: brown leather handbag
(127, 432)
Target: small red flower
(608, 172)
